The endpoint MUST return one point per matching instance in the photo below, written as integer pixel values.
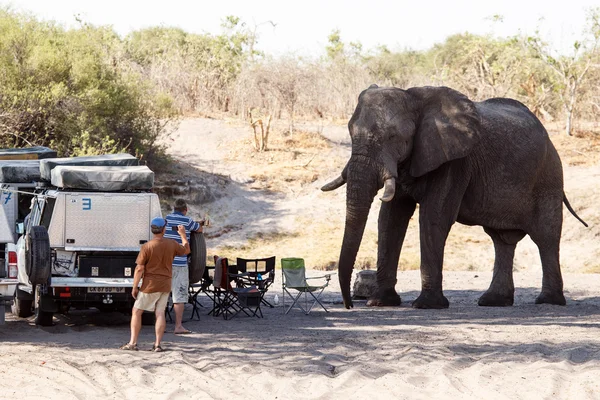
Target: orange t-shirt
(157, 255)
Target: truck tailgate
(8, 286)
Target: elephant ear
(447, 129)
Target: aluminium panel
(8, 214)
(56, 230)
(155, 210)
(107, 221)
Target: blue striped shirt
(174, 219)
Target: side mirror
(20, 228)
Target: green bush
(72, 90)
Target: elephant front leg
(394, 217)
(434, 228)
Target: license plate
(106, 290)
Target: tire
(37, 255)
(197, 261)
(21, 308)
(42, 318)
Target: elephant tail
(572, 211)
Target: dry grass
(289, 163)
(583, 148)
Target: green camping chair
(294, 278)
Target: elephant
(488, 163)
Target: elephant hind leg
(546, 235)
(502, 289)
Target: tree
(570, 71)
(73, 91)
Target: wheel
(148, 318)
(37, 255)
(21, 308)
(42, 318)
(197, 262)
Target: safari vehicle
(19, 170)
(82, 238)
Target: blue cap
(158, 222)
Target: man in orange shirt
(154, 265)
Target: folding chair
(196, 289)
(294, 278)
(259, 272)
(169, 308)
(224, 298)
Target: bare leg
(136, 324)
(159, 327)
(179, 307)
(502, 289)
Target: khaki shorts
(151, 301)
(180, 284)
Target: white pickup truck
(7, 291)
(19, 168)
(80, 248)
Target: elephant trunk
(362, 186)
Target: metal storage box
(19, 171)
(30, 153)
(102, 221)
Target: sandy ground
(468, 352)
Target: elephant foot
(495, 299)
(431, 299)
(388, 298)
(556, 298)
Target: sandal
(129, 346)
(157, 349)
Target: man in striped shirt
(180, 282)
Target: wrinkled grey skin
(489, 163)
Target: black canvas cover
(27, 153)
(19, 171)
(101, 178)
(108, 160)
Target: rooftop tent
(28, 153)
(107, 160)
(102, 178)
(19, 171)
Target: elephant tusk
(334, 184)
(390, 189)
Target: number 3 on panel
(86, 203)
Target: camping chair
(258, 272)
(224, 298)
(195, 289)
(294, 278)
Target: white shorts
(180, 284)
(151, 301)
